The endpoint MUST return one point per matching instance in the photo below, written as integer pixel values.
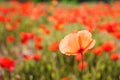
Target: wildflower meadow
(59, 41)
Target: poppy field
(59, 41)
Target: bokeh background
(31, 30)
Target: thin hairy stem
(82, 66)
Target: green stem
(9, 76)
(82, 65)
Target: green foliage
(54, 65)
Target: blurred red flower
(65, 78)
(111, 26)
(38, 46)
(97, 50)
(8, 27)
(78, 57)
(108, 46)
(15, 25)
(44, 29)
(54, 46)
(26, 36)
(47, 31)
(114, 56)
(10, 38)
(7, 63)
(116, 35)
(27, 57)
(24, 41)
(2, 19)
(59, 26)
(81, 67)
(54, 2)
(38, 39)
(37, 57)
(9, 19)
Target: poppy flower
(65, 78)
(38, 46)
(77, 42)
(38, 39)
(112, 27)
(2, 19)
(116, 35)
(54, 2)
(97, 51)
(114, 56)
(109, 27)
(15, 25)
(24, 41)
(30, 35)
(37, 57)
(78, 57)
(82, 65)
(26, 36)
(59, 26)
(8, 27)
(10, 39)
(7, 63)
(27, 57)
(47, 31)
(108, 46)
(43, 29)
(54, 46)
(43, 26)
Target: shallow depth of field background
(30, 32)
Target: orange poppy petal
(90, 45)
(84, 38)
(69, 44)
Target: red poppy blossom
(38, 39)
(54, 46)
(30, 35)
(114, 56)
(15, 25)
(44, 29)
(78, 57)
(82, 65)
(38, 46)
(65, 78)
(108, 46)
(97, 51)
(27, 57)
(47, 31)
(116, 35)
(24, 41)
(54, 2)
(7, 63)
(2, 19)
(111, 26)
(10, 39)
(37, 57)
(59, 26)
(26, 36)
